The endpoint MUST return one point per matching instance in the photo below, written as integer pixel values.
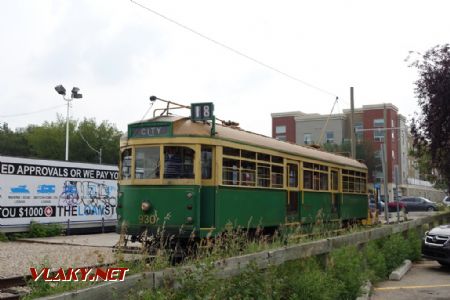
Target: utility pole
(385, 164)
(75, 95)
(352, 129)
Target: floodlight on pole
(75, 95)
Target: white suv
(446, 200)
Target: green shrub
(414, 245)
(3, 237)
(375, 262)
(306, 279)
(347, 267)
(395, 250)
(43, 230)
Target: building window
(280, 129)
(358, 131)
(377, 154)
(280, 133)
(330, 137)
(378, 123)
(378, 135)
(307, 138)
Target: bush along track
(338, 275)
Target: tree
(431, 128)
(89, 139)
(13, 143)
(48, 141)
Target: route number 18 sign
(202, 111)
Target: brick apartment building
(304, 129)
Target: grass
(340, 278)
(342, 275)
(35, 230)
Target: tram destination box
(49, 192)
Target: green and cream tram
(179, 175)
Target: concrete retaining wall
(234, 265)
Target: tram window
(277, 176)
(323, 181)
(345, 183)
(334, 181)
(248, 154)
(316, 181)
(265, 157)
(230, 169)
(263, 175)
(307, 179)
(362, 185)
(307, 165)
(293, 175)
(178, 162)
(206, 162)
(126, 164)
(248, 173)
(231, 151)
(277, 159)
(351, 184)
(147, 163)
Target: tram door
(335, 196)
(292, 212)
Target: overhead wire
(32, 112)
(234, 50)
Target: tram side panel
(354, 206)
(244, 207)
(207, 208)
(172, 209)
(316, 205)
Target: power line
(32, 112)
(233, 50)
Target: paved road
(426, 280)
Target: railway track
(15, 287)
(12, 287)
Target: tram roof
(183, 126)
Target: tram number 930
(147, 219)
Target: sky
(119, 54)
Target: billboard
(48, 191)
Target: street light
(75, 95)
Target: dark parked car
(392, 206)
(418, 204)
(436, 244)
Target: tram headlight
(145, 206)
(189, 220)
(189, 195)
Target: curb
(398, 273)
(365, 289)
